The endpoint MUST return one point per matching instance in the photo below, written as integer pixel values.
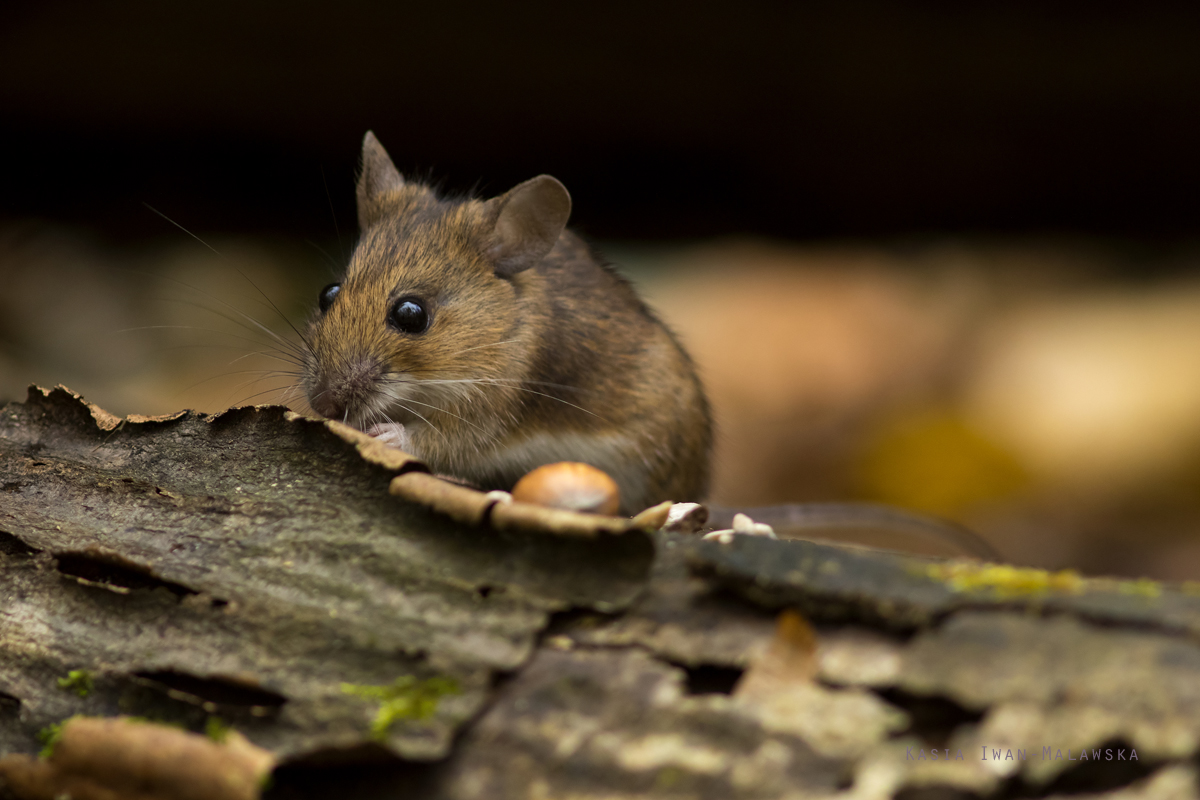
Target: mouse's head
(431, 298)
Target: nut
(570, 486)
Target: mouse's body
(486, 339)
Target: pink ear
(379, 176)
(529, 219)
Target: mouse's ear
(529, 219)
(379, 176)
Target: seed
(571, 486)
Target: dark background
(672, 120)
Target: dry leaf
(122, 758)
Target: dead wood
(378, 632)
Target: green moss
(1142, 587)
(407, 698)
(50, 736)
(217, 729)
(78, 681)
(1004, 581)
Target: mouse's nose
(345, 394)
(323, 402)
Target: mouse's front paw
(392, 434)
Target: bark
(248, 565)
(378, 632)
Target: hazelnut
(570, 486)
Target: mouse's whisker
(292, 352)
(237, 317)
(173, 347)
(504, 381)
(294, 394)
(275, 342)
(514, 387)
(244, 400)
(245, 277)
(308, 401)
(264, 374)
(394, 382)
(275, 355)
(426, 421)
(285, 396)
(482, 430)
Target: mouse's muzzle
(347, 392)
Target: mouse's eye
(408, 315)
(325, 300)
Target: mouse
(486, 338)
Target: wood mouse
(487, 339)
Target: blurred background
(939, 255)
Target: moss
(1142, 587)
(407, 698)
(217, 729)
(1004, 581)
(78, 681)
(50, 736)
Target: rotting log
(379, 632)
(248, 565)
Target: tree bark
(379, 632)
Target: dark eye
(408, 315)
(325, 300)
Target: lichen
(407, 698)
(1004, 581)
(78, 681)
(217, 729)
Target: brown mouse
(486, 339)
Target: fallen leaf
(123, 758)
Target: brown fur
(567, 362)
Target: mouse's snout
(346, 393)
